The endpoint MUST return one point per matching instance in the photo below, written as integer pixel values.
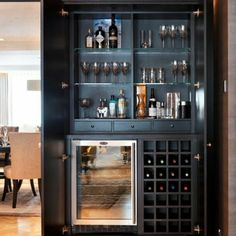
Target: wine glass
(175, 70)
(106, 68)
(125, 68)
(163, 33)
(85, 103)
(95, 69)
(183, 34)
(85, 66)
(115, 69)
(4, 136)
(183, 68)
(172, 33)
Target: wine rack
(167, 176)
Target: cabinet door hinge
(197, 229)
(65, 229)
(197, 157)
(197, 12)
(65, 157)
(197, 85)
(64, 85)
(62, 12)
(220, 232)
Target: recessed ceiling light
(2, 39)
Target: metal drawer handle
(172, 125)
(132, 126)
(92, 126)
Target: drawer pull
(172, 125)
(132, 126)
(92, 126)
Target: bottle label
(113, 38)
(99, 38)
(112, 109)
(152, 111)
(121, 108)
(89, 42)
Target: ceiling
(20, 25)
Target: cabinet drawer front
(172, 126)
(92, 126)
(132, 126)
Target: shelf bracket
(64, 157)
(62, 12)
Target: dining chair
(3, 161)
(25, 163)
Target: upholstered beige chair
(4, 157)
(25, 162)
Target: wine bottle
(100, 38)
(113, 33)
(152, 107)
(121, 105)
(89, 39)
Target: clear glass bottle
(121, 105)
(112, 107)
(89, 39)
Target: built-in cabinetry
(171, 171)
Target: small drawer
(92, 126)
(172, 125)
(141, 126)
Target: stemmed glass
(183, 34)
(85, 103)
(172, 33)
(125, 68)
(106, 68)
(115, 69)
(4, 136)
(175, 70)
(163, 33)
(183, 68)
(85, 66)
(95, 69)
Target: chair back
(25, 155)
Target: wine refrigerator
(104, 189)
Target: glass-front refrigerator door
(104, 190)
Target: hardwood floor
(20, 226)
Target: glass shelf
(101, 84)
(161, 50)
(163, 84)
(103, 50)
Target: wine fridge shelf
(167, 186)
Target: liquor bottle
(112, 107)
(121, 105)
(152, 107)
(113, 33)
(100, 38)
(89, 39)
(102, 109)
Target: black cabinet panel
(120, 126)
(172, 126)
(92, 126)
